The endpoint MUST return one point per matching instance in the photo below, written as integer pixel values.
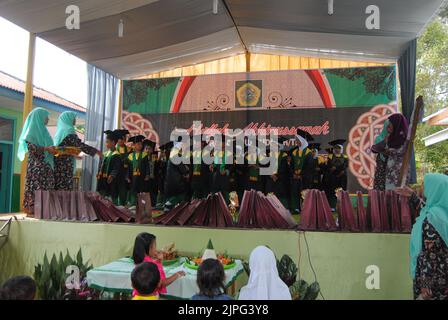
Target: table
(116, 277)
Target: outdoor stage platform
(339, 259)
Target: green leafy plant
(301, 290)
(287, 270)
(50, 277)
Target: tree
(432, 83)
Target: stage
(339, 259)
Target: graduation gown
(338, 177)
(279, 183)
(253, 175)
(137, 171)
(200, 179)
(221, 172)
(302, 174)
(175, 180)
(318, 166)
(111, 166)
(123, 186)
(335, 176)
(151, 185)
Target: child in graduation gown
(200, 179)
(124, 151)
(110, 169)
(302, 162)
(151, 184)
(138, 173)
(336, 171)
(317, 167)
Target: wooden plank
(407, 156)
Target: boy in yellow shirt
(145, 279)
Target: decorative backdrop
(349, 103)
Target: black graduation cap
(329, 150)
(305, 135)
(136, 139)
(167, 146)
(111, 135)
(314, 145)
(121, 133)
(283, 139)
(336, 142)
(149, 143)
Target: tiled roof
(13, 83)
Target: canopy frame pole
(248, 61)
(236, 27)
(27, 106)
(120, 103)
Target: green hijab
(65, 127)
(383, 133)
(435, 211)
(34, 131)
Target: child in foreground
(18, 288)
(145, 280)
(145, 250)
(210, 281)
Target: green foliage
(50, 275)
(287, 270)
(432, 83)
(300, 290)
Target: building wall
(17, 117)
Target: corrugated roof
(10, 82)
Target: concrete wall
(339, 259)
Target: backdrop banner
(350, 103)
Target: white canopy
(164, 34)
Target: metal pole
(27, 105)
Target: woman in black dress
(65, 164)
(37, 142)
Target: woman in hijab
(37, 142)
(393, 147)
(429, 241)
(379, 182)
(264, 282)
(66, 137)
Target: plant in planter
(50, 277)
(287, 271)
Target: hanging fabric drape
(259, 62)
(102, 109)
(407, 70)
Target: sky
(55, 70)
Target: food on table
(169, 252)
(209, 253)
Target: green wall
(17, 116)
(339, 259)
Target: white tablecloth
(116, 277)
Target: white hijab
(264, 282)
(303, 142)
